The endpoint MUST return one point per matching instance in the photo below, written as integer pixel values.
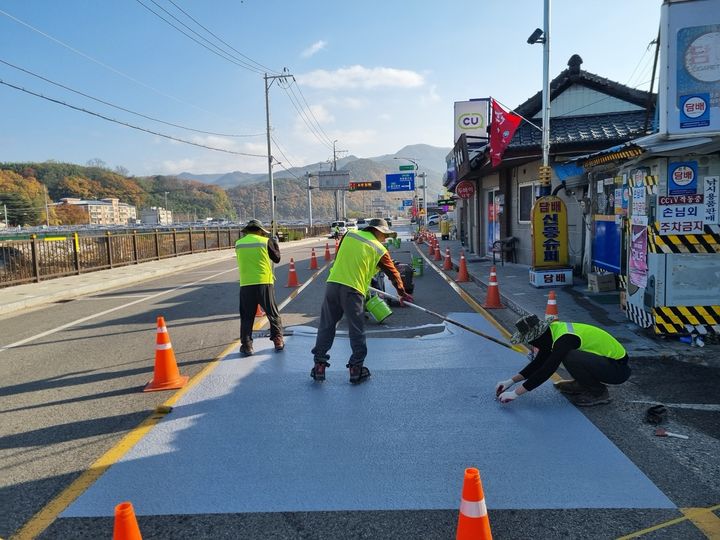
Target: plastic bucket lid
(378, 309)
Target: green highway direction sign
(446, 202)
(407, 167)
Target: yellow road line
(49, 513)
(694, 515)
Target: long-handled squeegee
(451, 321)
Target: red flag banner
(503, 128)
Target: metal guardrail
(45, 257)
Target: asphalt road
(73, 390)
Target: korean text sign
(681, 214)
(549, 233)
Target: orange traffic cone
(493, 294)
(327, 252)
(437, 256)
(126, 525)
(447, 264)
(259, 311)
(551, 311)
(473, 522)
(166, 375)
(463, 275)
(431, 247)
(292, 275)
(336, 247)
(313, 260)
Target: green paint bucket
(418, 265)
(378, 308)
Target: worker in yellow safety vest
(592, 356)
(359, 256)
(254, 253)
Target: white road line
(101, 313)
(118, 297)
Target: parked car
(433, 219)
(352, 225)
(361, 223)
(337, 229)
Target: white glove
(507, 397)
(502, 386)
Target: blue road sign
(400, 182)
(407, 202)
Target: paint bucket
(418, 265)
(378, 308)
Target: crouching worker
(359, 256)
(592, 357)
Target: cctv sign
(471, 118)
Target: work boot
(590, 399)
(318, 372)
(246, 350)
(358, 373)
(279, 343)
(570, 388)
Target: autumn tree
(71, 214)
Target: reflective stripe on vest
(356, 261)
(473, 509)
(592, 339)
(253, 260)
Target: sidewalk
(33, 295)
(576, 303)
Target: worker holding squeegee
(591, 355)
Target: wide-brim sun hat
(529, 328)
(381, 225)
(254, 225)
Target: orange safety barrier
(126, 525)
(463, 275)
(551, 311)
(493, 294)
(473, 521)
(166, 375)
(292, 275)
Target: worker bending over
(592, 356)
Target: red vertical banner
(504, 125)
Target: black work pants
(250, 297)
(341, 300)
(594, 371)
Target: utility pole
(47, 209)
(309, 188)
(6, 220)
(271, 78)
(546, 173)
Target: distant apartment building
(105, 211)
(156, 215)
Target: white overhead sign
(332, 180)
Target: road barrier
(69, 253)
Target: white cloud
(313, 49)
(321, 114)
(384, 116)
(362, 77)
(431, 97)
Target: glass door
(492, 218)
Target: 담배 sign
(549, 233)
(681, 214)
(682, 178)
(638, 251)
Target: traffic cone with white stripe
(473, 522)
(292, 275)
(492, 301)
(463, 275)
(166, 375)
(259, 311)
(327, 252)
(447, 265)
(313, 260)
(551, 311)
(431, 247)
(337, 245)
(437, 256)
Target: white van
(337, 229)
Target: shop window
(527, 193)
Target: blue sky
(376, 75)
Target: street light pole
(271, 78)
(424, 186)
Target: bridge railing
(41, 257)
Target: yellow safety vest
(592, 339)
(253, 260)
(357, 260)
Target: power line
(123, 108)
(222, 54)
(303, 116)
(127, 124)
(98, 62)
(277, 146)
(223, 41)
(310, 109)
